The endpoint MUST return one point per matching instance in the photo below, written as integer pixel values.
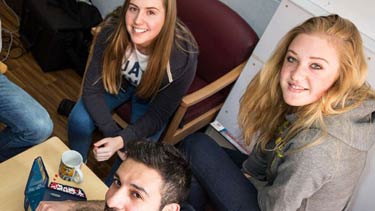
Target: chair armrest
(214, 87)
(198, 96)
(3, 67)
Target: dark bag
(85, 13)
(78, 44)
(57, 32)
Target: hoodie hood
(355, 127)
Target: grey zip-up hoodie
(320, 177)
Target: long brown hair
(262, 108)
(172, 32)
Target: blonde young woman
(146, 56)
(311, 114)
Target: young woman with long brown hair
(145, 55)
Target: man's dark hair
(169, 162)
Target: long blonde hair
(172, 32)
(262, 108)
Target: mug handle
(78, 176)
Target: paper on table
(240, 145)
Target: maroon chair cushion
(225, 40)
(201, 107)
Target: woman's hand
(105, 148)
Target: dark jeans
(217, 176)
(186, 207)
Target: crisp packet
(68, 189)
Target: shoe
(65, 107)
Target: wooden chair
(225, 42)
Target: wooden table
(15, 171)
(3, 67)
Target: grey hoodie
(320, 177)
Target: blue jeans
(81, 125)
(217, 176)
(27, 122)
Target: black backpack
(78, 44)
(57, 32)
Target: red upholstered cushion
(224, 38)
(198, 109)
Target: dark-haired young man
(153, 177)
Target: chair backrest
(225, 40)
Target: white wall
(106, 6)
(256, 12)
(361, 12)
